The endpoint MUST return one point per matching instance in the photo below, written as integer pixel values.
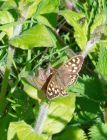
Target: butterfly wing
(68, 72)
(55, 88)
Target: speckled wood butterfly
(60, 78)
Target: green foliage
(73, 18)
(48, 19)
(98, 132)
(6, 17)
(58, 114)
(101, 66)
(31, 91)
(47, 6)
(28, 8)
(34, 34)
(20, 130)
(98, 22)
(75, 133)
(8, 4)
(90, 87)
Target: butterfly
(55, 81)
(62, 77)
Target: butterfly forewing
(73, 65)
(65, 75)
(69, 71)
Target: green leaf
(60, 113)
(48, 6)
(49, 19)
(28, 8)
(90, 87)
(6, 17)
(4, 121)
(32, 92)
(97, 22)
(9, 4)
(2, 34)
(98, 132)
(21, 105)
(81, 31)
(87, 109)
(101, 66)
(37, 36)
(75, 133)
(22, 131)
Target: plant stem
(41, 118)
(105, 113)
(89, 45)
(6, 76)
(11, 51)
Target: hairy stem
(11, 51)
(89, 45)
(6, 76)
(41, 118)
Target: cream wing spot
(69, 63)
(74, 71)
(78, 61)
(73, 65)
(51, 84)
(75, 68)
(53, 89)
(49, 89)
(73, 59)
(50, 93)
(57, 90)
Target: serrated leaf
(37, 36)
(97, 22)
(6, 17)
(101, 66)
(75, 133)
(22, 131)
(59, 114)
(98, 132)
(90, 87)
(87, 109)
(81, 31)
(100, 32)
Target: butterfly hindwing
(54, 89)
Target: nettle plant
(35, 34)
